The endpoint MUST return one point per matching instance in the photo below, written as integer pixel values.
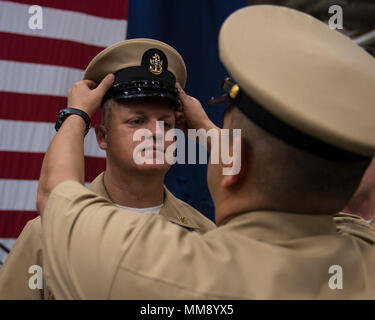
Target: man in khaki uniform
(303, 98)
(136, 187)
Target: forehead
(146, 106)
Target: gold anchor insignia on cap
(156, 64)
(183, 220)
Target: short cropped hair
(286, 174)
(107, 112)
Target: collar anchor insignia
(183, 220)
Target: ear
(235, 172)
(101, 136)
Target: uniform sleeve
(86, 240)
(14, 274)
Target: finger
(182, 95)
(89, 83)
(180, 108)
(179, 88)
(179, 111)
(106, 83)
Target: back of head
(291, 179)
(304, 100)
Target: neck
(231, 206)
(234, 204)
(362, 206)
(133, 189)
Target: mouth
(154, 149)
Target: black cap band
(150, 79)
(136, 82)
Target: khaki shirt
(93, 250)
(27, 251)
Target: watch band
(64, 113)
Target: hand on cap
(87, 96)
(191, 114)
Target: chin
(153, 168)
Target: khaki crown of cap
(309, 76)
(128, 53)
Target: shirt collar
(170, 209)
(272, 226)
(175, 212)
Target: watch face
(60, 119)
(62, 115)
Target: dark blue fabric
(192, 27)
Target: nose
(157, 129)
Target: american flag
(37, 67)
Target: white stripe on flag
(7, 242)
(10, 190)
(62, 24)
(37, 79)
(24, 136)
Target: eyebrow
(137, 112)
(143, 113)
(167, 116)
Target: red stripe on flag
(13, 222)
(34, 107)
(114, 9)
(46, 51)
(27, 165)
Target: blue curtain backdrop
(192, 27)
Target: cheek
(167, 143)
(121, 142)
(212, 177)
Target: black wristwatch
(64, 113)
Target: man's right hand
(87, 96)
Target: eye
(136, 121)
(168, 124)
